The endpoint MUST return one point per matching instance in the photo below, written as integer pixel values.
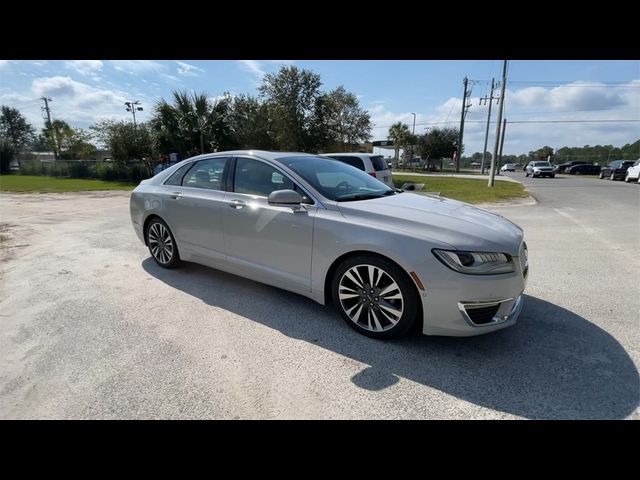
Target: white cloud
(189, 70)
(258, 68)
(77, 103)
(253, 66)
(173, 78)
(85, 67)
(575, 101)
(134, 67)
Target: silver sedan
(386, 259)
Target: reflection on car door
(263, 241)
(194, 209)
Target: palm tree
(189, 121)
(399, 133)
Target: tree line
(289, 113)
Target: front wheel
(612, 177)
(601, 176)
(526, 174)
(162, 245)
(626, 178)
(375, 296)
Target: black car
(584, 169)
(616, 170)
(564, 167)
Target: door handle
(176, 195)
(237, 204)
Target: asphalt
(90, 327)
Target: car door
(270, 243)
(194, 208)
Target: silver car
(324, 229)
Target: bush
(132, 172)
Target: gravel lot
(90, 327)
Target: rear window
(379, 163)
(353, 161)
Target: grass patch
(28, 183)
(467, 190)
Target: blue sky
(84, 91)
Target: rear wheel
(612, 177)
(162, 245)
(601, 175)
(375, 296)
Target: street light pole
(132, 107)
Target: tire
(626, 178)
(612, 177)
(364, 311)
(162, 244)
(601, 175)
(526, 174)
(553, 176)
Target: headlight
(475, 263)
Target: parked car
(326, 230)
(508, 167)
(584, 169)
(633, 172)
(563, 167)
(616, 170)
(374, 165)
(540, 169)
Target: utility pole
(463, 114)
(503, 84)
(504, 127)
(48, 126)
(413, 134)
(486, 133)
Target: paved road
(90, 327)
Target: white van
(374, 165)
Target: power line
(528, 121)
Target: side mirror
(287, 198)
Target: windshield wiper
(363, 196)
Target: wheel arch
(146, 223)
(418, 324)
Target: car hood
(460, 225)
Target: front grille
(482, 315)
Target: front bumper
(455, 304)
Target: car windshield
(336, 180)
(542, 164)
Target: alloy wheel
(160, 243)
(371, 298)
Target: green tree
(248, 122)
(126, 142)
(400, 135)
(191, 124)
(77, 145)
(437, 144)
(57, 134)
(295, 108)
(15, 134)
(348, 123)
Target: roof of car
(255, 153)
(342, 154)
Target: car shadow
(551, 364)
